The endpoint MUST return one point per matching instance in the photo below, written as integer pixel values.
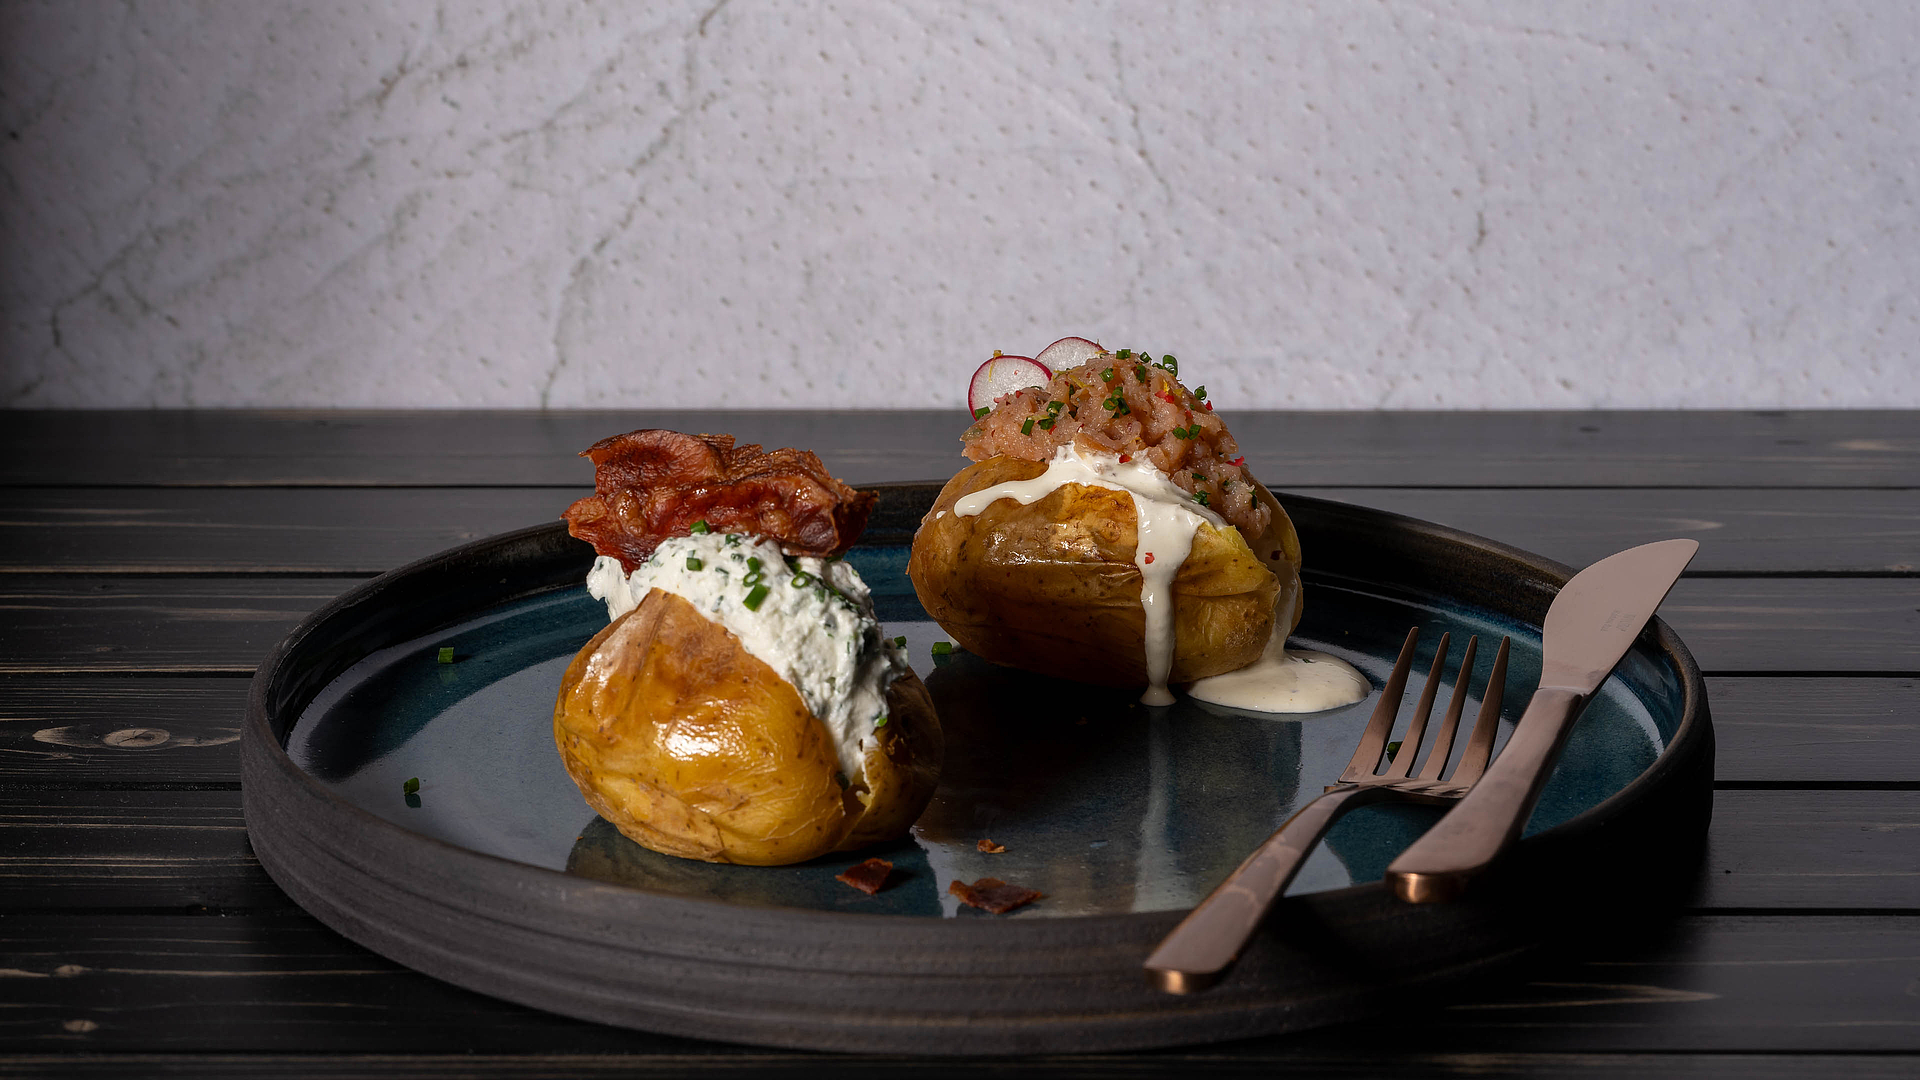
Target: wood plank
(60, 623)
(1741, 530)
(284, 984)
(128, 731)
(129, 850)
(1359, 1060)
(174, 849)
(255, 530)
(1773, 626)
(190, 625)
(1813, 849)
(1816, 731)
(80, 730)
(360, 530)
(452, 447)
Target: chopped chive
(1200, 394)
(1200, 497)
(1027, 428)
(753, 563)
(901, 641)
(411, 787)
(755, 598)
(1046, 425)
(694, 563)
(880, 722)
(981, 411)
(1107, 375)
(1172, 365)
(753, 578)
(1125, 354)
(446, 654)
(942, 648)
(1140, 372)
(1054, 407)
(1393, 748)
(801, 579)
(699, 528)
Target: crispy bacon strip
(651, 484)
(869, 877)
(992, 894)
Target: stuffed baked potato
(1042, 554)
(742, 705)
(1053, 586)
(692, 746)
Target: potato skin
(692, 746)
(1051, 587)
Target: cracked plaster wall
(1318, 204)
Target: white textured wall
(1457, 203)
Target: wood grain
(285, 984)
(120, 731)
(1776, 626)
(129, 850)
(1813, 849)
(454, 447)
(151, 624)
(1816, 731)
(1741, 530)
(349, 530)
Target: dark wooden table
(152, 558)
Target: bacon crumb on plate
(992, 894)
(988, 847)
(869, 877)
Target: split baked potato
(692, 746)
(1052, 586)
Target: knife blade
(1588, 629)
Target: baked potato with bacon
(742, 705)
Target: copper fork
(1199, 950)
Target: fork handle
(1197, 952)
(1437, 867)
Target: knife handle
(1197, 952)
(1437, 867)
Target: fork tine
(1402, 764)
(1373, 741)
(1480, 743)
(1443, 742)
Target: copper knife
(1588, 629)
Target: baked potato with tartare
(1052, 586)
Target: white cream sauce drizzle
(1165, 516)
(1285, 681)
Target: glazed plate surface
(1105, 805)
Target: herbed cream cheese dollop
(811, 621)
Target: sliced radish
(1003, 375)
(1068, 352)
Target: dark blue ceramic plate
(1104, 805)
(496, 876)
